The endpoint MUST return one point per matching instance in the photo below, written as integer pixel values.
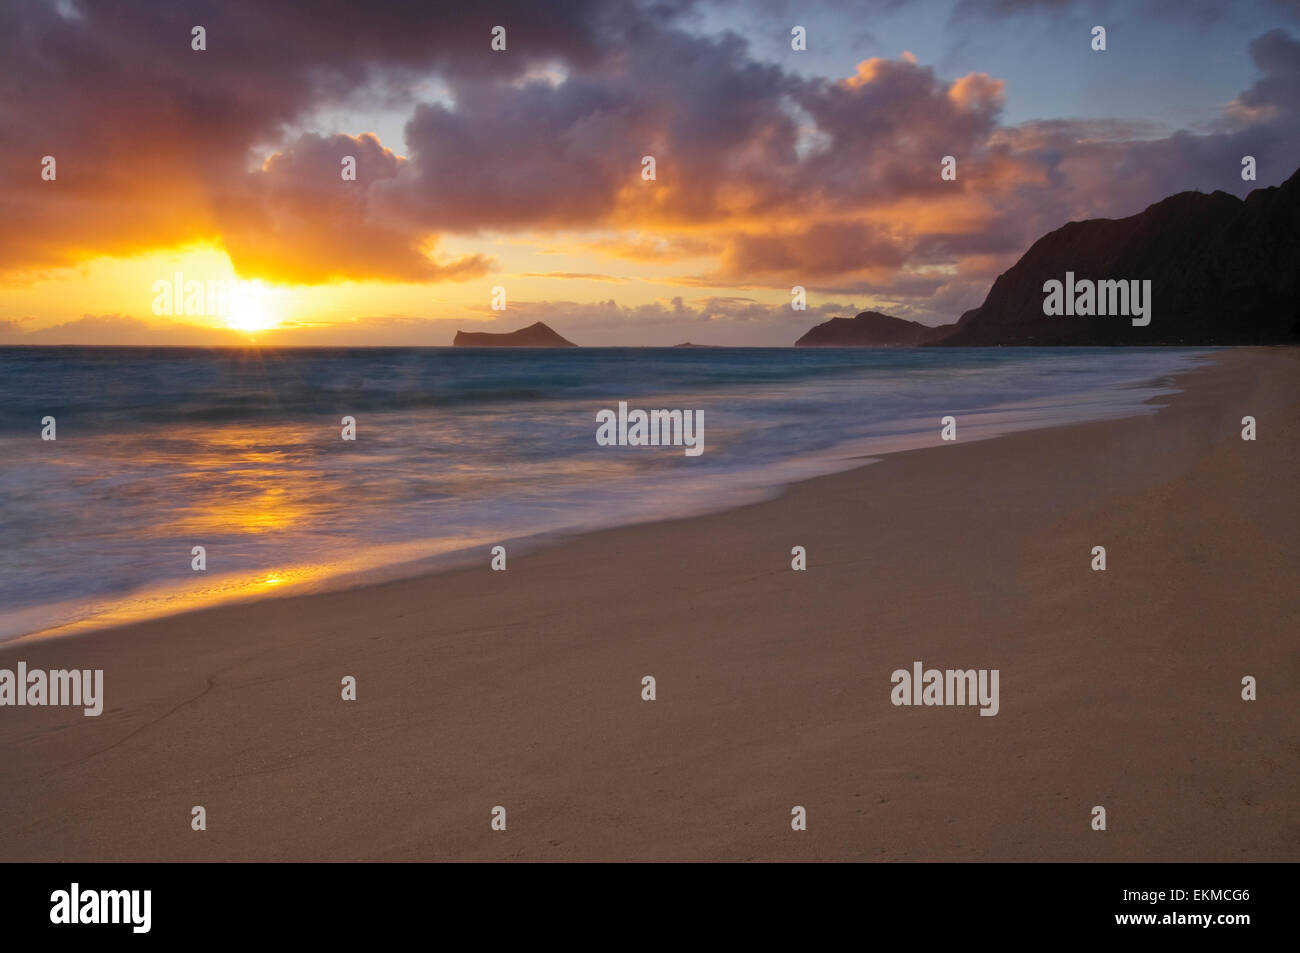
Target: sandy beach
(523, 689)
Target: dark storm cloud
(148, 133)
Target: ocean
(160, 450)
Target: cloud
(826, 249)
(574, 276)
(299, 219)
(772, 177)
(722, 320)
(1277, 55)
(1205, 12)
(709, 320)
(117, 329)
(153, 140)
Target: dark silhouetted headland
(870, 329)
(1221, 271)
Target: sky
(130, 161)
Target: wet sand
(523, 689)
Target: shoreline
(173, 598)
(523, 688)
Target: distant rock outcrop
(1222, 271)
(871, 329)
(535, 335)
(689, 344)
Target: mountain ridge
(1223, 270)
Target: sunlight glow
(251, 312)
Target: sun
(251, 312)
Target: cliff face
(535, 335)
(870, 329)
(1222, 271)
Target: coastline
(523, 688)
(291, 560)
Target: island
(535, 335)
